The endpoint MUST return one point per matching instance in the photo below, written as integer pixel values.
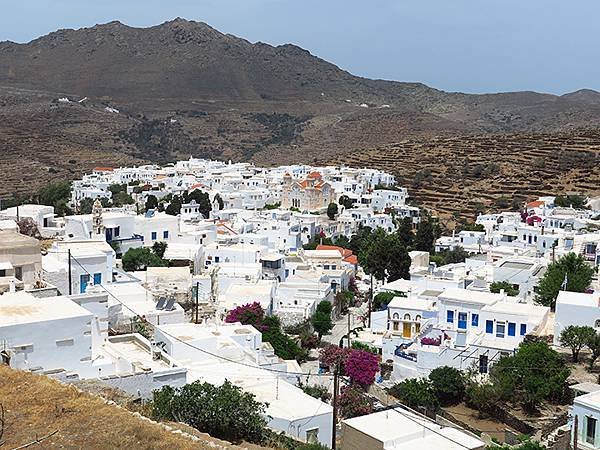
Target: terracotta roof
(196, 186)
(314, 175)
(343, 251)
(103, 169)
(536, 204)
(352, 259)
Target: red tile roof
(536, 204)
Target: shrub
(141, 258)
(415, 393)
(448, 384)
(225, 412)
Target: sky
(471, 46)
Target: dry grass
(36, 406)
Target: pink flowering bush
(250, 314)
(332, 355)
(353, 402)
(361, 366)
(431, 341)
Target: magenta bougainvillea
(431, 341)
(250, 314)
(361, 367)
(353, 402)
(331, 355)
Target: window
(166, 234)
(97, 278)
(2, 273)
(19, 273)
(462, 320)
(523, 330)
(450, 316)
(153, 235)
(590, 430)
(83, 283)
(489, 326)
(312, 436)
(500, 329)
(396, 316)
(475, 320)
(406, 316)
(512, 328)
(117, 231)
(483, 363)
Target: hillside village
(346, 311)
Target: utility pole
(335, 406)
(70, 280)
(349, 313)
(370, 302)
(196, 306)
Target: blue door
(462, 320)
(97, 279)
(83, 283)
(109, 234)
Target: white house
(578, 309)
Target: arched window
(406, 316)
(396, 316)
(417, 318)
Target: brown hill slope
(183, 88)
(36, 406)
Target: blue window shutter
(166, 234)
(475, 320)
(97, 278)
(523, 329)
(489, 326)
(512, 328)
(450, 316)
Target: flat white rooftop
(578, 299)
(17, 308)
(402, 430)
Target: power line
(201, 349)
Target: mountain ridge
(184, 88)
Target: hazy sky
(456, 45)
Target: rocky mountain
(184, 88)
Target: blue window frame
(512, 328)
(97, 279)
(153, 235)
(462, 320)
(475, 320)
(83, 283)
(166, 234)
(489, 326)
(523, 329)
(450, 316)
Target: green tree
(151, 202)
(405, 231)
(448, 384)
(425, 237)
(473, 226)
(86, 205)
(159, 248)
(566, 201)
(346, 202)
(381, 300)
(174, 207)
(202, 199)
(360, 240)
(415, 393)
(384, 256)
(508, 288)
(332, 210)
(593, 344)
(225, 412)
(572, 268)
(482, 397)
(576, 337)
(55, 192)
(534, 373)
(141, 258)
(321, 320)
(122, 198)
